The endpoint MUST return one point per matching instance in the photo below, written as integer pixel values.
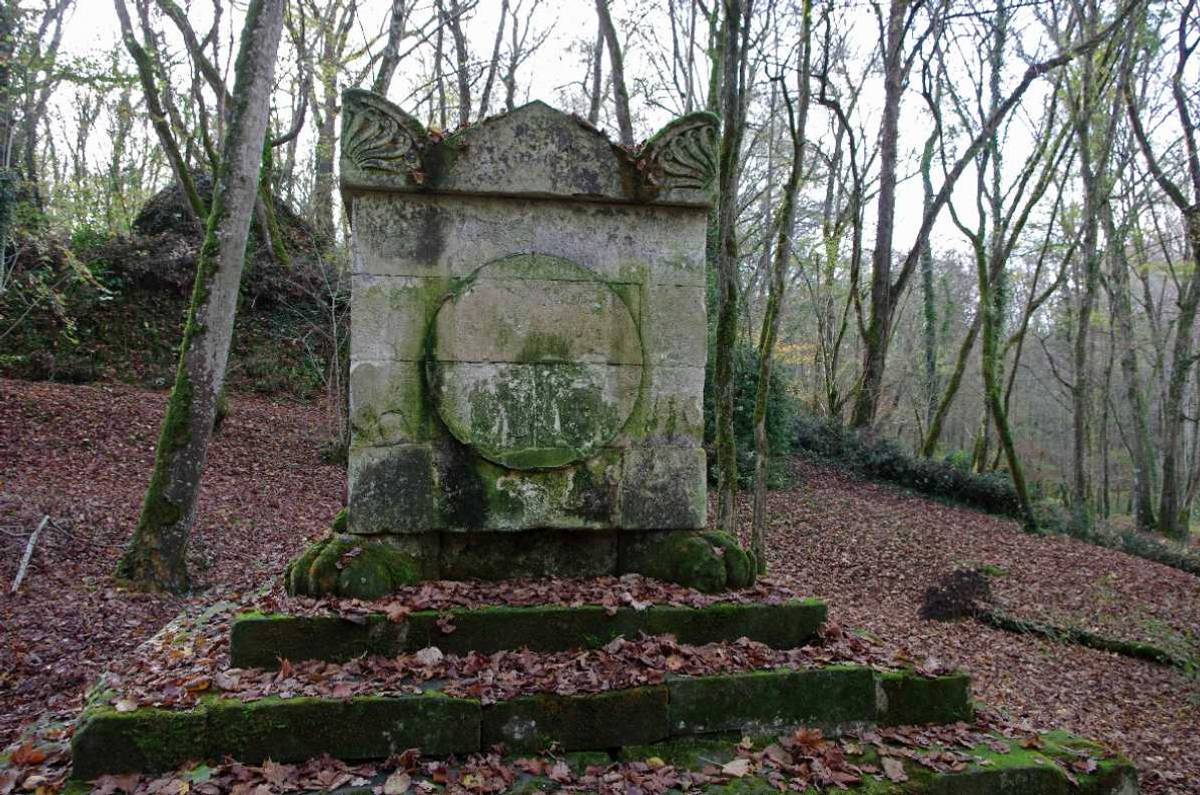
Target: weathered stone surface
(673, 317)
(535, 308)
(391, 489)
(366, 727)
(392, 315)
(528, 337)
(578, 723)
(449, 237)
(146, 740)
(533, 150)
(260, 641)
(767, 701)
(670, 412)
(905, 699)
(534, 553)
(474, 494)
(388, 404)
(535, 415)
(663, 488)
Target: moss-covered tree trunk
(797, 123)
(733, 127)
(155, 558)
(1142, 448)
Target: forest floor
(82, 455)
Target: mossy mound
(351, 566)
(708, 561)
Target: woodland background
(968, 224)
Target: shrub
(781, 413)
(884, 459)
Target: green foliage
(782, 408)
(1052, 517)
(885, 460)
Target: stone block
(451, 237)
(391, 316)
(708, 561)
(499, 318)
(670, 412)
(391, 489)
(293, 730)
(538, 415)
(663, 488)
(261, 641)
(905, 699)
(764, 702)
(142, 741)
(533, 553)
(388, 404)
(674, 329)
(578, 722)
(474, 494)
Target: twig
(28, 554)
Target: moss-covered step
(578, 723)
(998, 767)
(151, 740)
(835, 697)
(374, 727)
(262, 640)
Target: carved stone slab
(528, 332)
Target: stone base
(261, 641)
(369, 567)
(292, 730)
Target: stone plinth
(527, 353)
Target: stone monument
(527, 354)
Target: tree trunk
(733, 128)
(770, 325)
(391, 50)
(617, 65)
(1141, 447)
(879, 325)
(1170, 505)
(156, 556)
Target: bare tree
(797, 116)
(1170, 507)
(617, 65)
(156, 556)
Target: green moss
(540, 347)
(707, 561)
(739, 569)
(353, 567)
(768, 700)
(912, 699)
(341, 521)
(145, 740)
(260, 641)
(579, 722)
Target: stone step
(261, 640)
(374, 727)
(998, 766)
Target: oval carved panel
(535, 363)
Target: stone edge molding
(386, 149)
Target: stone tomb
(527, 354)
